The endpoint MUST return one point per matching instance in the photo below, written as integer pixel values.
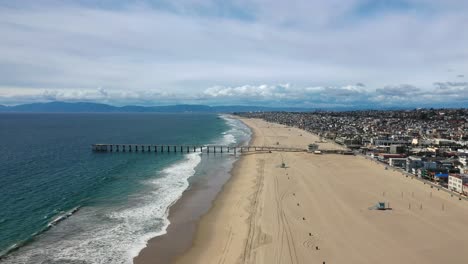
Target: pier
(190, 148)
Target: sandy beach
(317, 210)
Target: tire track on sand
(284, 236)
(254, 206)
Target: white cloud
(176, 51)
(402, 90)
(270, 92)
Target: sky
(304, 53)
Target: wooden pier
(189, 148)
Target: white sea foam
(238, 132)
(229, 139)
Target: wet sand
(185, 214)
(316, 210)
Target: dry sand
(317, 210)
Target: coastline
(208, 223)
(185, 214)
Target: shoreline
(185, 215)
(203, 233)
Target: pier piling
(186, 148)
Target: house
(387, 156)
(429, 165)
(413, 163)
(397, 162)
(397, 149)
(388, 142)
(443, 142)
(456, 182)
(441, 177)
(463, 160)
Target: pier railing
(189, 148)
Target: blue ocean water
(48, 169)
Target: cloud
(344, 91)
(449, 85)
(290, 95)
(270, 92)
(195, 50)
(452, 91)
(287, 93)
(103, 92)
(444, 93)
(402, 90)
(99, 95)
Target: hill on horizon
(86, 107)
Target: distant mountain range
(82, 107)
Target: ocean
(116, 201)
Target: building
(413, 163)
(397, 149)
(424, 173)
(456, 182)
(441, 177)
(443, 142)
(389, 142)
(397, 162)
(386, 156)
(429, 165)
(463, 160)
